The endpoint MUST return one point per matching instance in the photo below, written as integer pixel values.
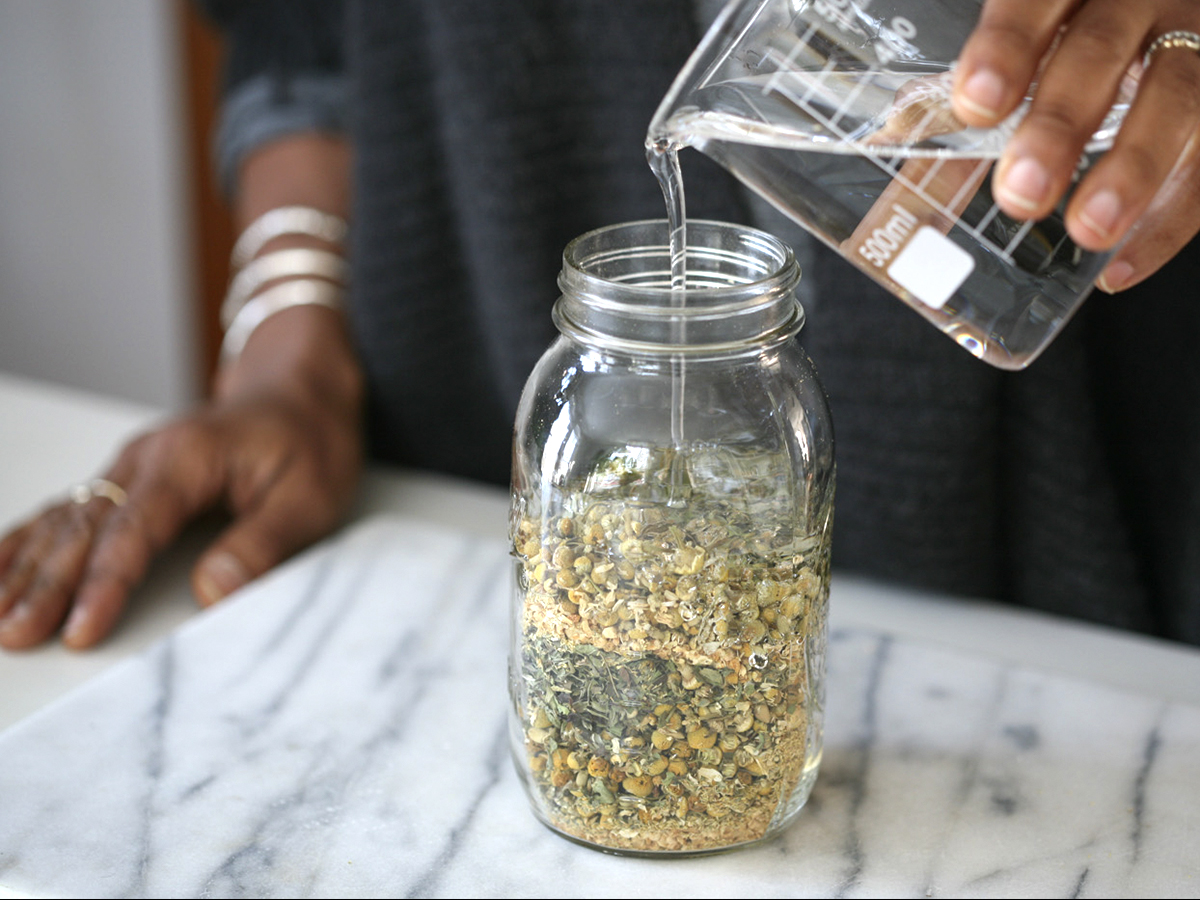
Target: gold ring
(99, 487)
(1185, 40)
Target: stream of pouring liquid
(921, 110)
(664, 163)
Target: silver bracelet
(295, 261)
(299, 292)
(286, 220)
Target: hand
(1152, 173)
(285, 460)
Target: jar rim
(740, 294)
(774, 260)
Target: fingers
(286, 460)
(45, 561)
(287, 514)
(1000, 59)
(1161, 122)
(170, 477)
(1153, 141)
(1083, 75)
(1170, 222)
(78, 561)
(121, 553)
(10, 546)
(1040, 159)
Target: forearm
(305, 348)
(301, 170)
(280, 444)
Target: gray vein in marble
(327, 788)
(863, 746)
(159, 714)
(236, 874)
(338, 731)
(409, 646)
(1149, 755)
(1000, 791)
(1024, 737)
(1078, 891)
(308, 601)
(411, 639)
(1000, 874)
(426, 883)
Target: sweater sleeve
(283, 73)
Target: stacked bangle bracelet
(286, 220)
(305, 276)
(291, 263)
(299, 292)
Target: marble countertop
(338, 729)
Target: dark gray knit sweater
(487, 135)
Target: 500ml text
(887, 239)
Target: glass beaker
(838, 113)
(670, 583)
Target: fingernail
(14, 619)
(76, 622)
(1026, 183)
(1101, 211)
(222, 574)
(1115, 277)
(983, 93)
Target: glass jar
(672, 500)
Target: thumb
(219, 573)
(258, 541)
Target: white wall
(95, 271)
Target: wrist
(274, 271)
(305, 353)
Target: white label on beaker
(931, 267)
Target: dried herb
(667, 656)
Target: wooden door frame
(211, 219)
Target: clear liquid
(664, 163)
(834, 158)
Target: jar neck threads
(617, 295)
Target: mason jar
(672, 502)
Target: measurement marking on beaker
(983, 223)
(929, 116)
(1056, 248)
(971, 183)
(917, 189)
(1018, 237)
(853, 96)
(948, 209)
(817, 82)
(933, 170)
(789, 59)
